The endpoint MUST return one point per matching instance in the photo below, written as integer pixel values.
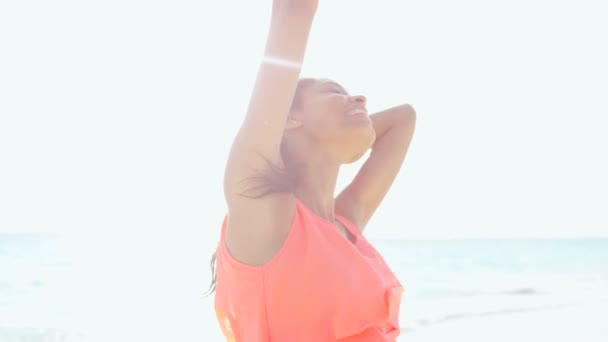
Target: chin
(354, 158)
(362, 147)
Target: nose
(359, 98)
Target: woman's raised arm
(260, 134)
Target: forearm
(289, 31)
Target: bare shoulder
(257, 228)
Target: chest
(331, 284)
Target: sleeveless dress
(318, 287)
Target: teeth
(358, 111)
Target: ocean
(35, 301)
(467, 279)
(48, 285)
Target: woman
(292, 263)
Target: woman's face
(329, 115)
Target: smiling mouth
(358, 111)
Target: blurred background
(116, 119)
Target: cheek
(331, 104)
(326, 117)
(338, 103)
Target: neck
(316, 186)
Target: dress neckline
(341, 220)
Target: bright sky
(117, 116)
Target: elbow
(407, 113)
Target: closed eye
(333, 87)
(338, 91)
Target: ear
(292, 123)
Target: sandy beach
(585, 322)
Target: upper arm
(360, 199)
(260, 133)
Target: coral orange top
(318, 287)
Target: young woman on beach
(292, 263)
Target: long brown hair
(274, 179)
